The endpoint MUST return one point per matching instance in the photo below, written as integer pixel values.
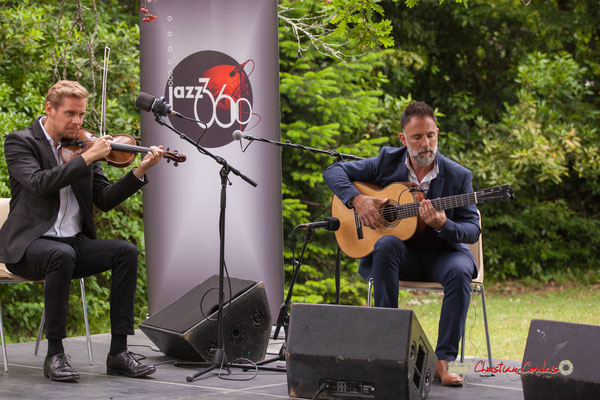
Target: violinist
(50, 235)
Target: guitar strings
(393, 212)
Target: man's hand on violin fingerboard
(149, 160)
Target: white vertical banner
(215, 61)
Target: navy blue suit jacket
(462, 224)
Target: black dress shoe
(57, 368)
(125, 364)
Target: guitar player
(440, 254)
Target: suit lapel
(402, 169)
(38, 133)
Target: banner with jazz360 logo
(215, 61)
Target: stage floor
(25, 378)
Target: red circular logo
(214, 88)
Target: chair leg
(487, 331)
(370, 292)
(4, 357)
(462, 339)
(40, 332)
(87, 324)
(462, 348)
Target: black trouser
(58, 261)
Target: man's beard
(421, 157)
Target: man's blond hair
(62, 89)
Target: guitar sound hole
(389, 213)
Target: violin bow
(103, 101)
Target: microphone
(330, 223)
(146, 102)
(238, 135)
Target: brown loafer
(447, 378)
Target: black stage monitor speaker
(187, 328)
(357, 352)
(560, 361)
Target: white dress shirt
(424, 184)
(68, 222)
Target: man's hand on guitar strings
(367, 208)
(432, 217)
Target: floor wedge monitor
(186, 329)
(354, 352)
(560, 361)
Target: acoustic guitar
(400, 213)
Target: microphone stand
(332, 153)
(219, 357)
(284, 318)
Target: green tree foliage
(546, 146)
(548, 134)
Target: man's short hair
(62, 89)
(416, 109)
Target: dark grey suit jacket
(35, 181)
(462, 224)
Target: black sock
(55, 346)
(118, 344)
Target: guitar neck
(442, 203)
(460, 200)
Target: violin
(122, 153)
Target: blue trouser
(393, 260)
